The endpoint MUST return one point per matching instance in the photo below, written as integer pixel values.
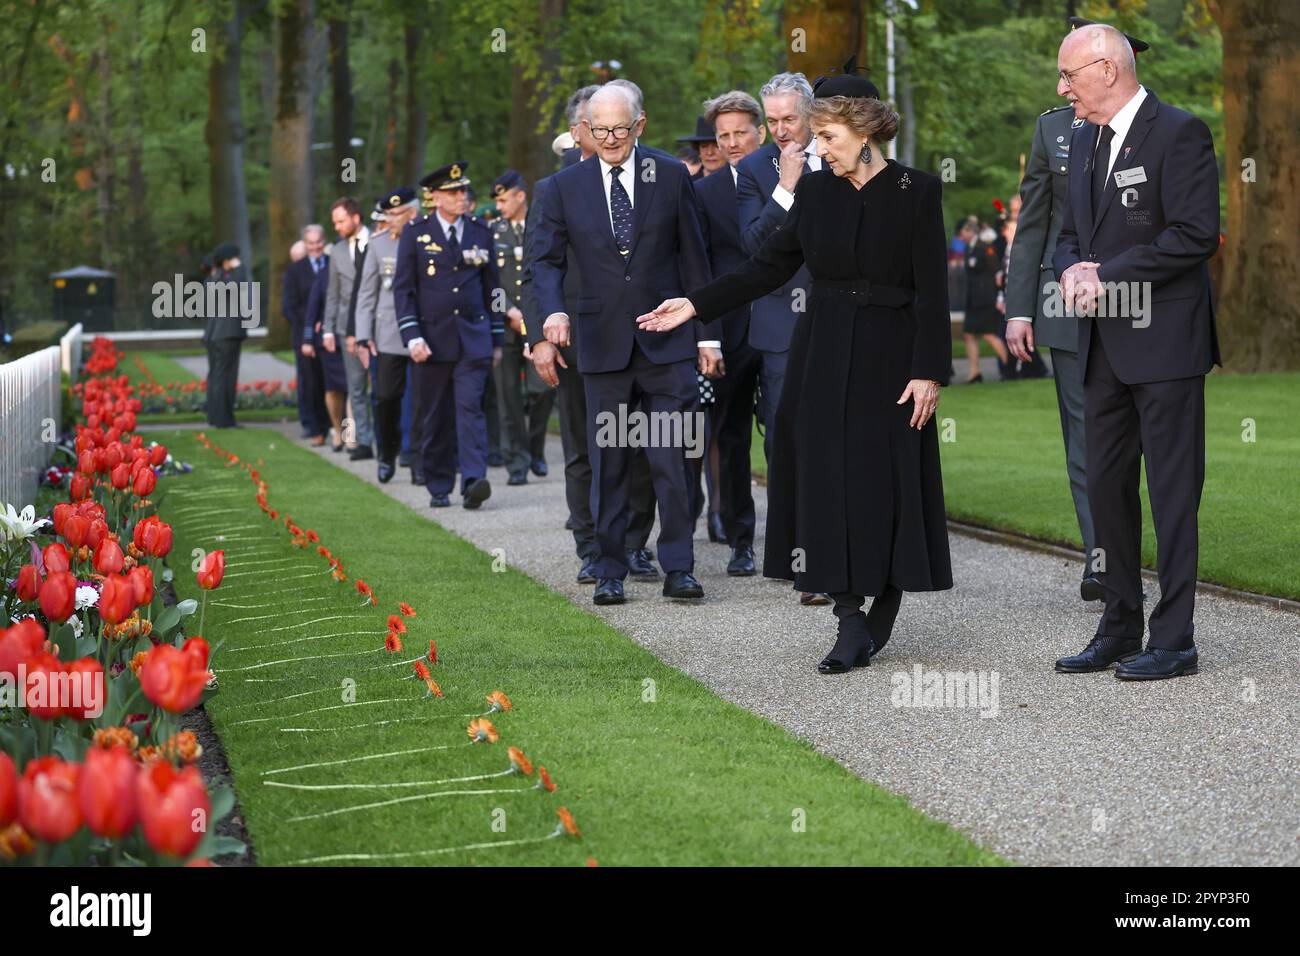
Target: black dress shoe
(682, 584)
(587, 573)
(517, 478)
(338, 447)
(1100, 654)
(1157, 663)
(639, 566)
(717, 533)
(417, 477)
(440, 501)
(479, 491)
(386, 472)
(852, 648)
(741, 564)
(495, 460)
(539, 467)
(609, 591)
(813, 599)
(1090, 589)
(361, 453)
(404, 459)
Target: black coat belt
(863, 292)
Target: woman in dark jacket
(855, 494)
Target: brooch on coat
(905, 181)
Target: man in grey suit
(1030, 276)
(346, 261)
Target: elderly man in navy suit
(630, 219)
(1141, 223)
(737, 120)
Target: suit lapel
(643, 193)
(1081, 184)
(1128, 153)
(593, 196)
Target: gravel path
(1046, 768)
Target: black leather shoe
(1100, 654)
(1090, 589)
(440, 501)
(539, 467)
(361, 453)
(717, 533)
(609, 591)
(417, 477)
(639, 566)
(479, 491)
(813, 599)
(1157, 663)
(495, 460)
(682, 584)
(386, 472)
(587, 573)
(741, 564)
(404, 459)
(517, 478)
(852, 649)
(338, 448)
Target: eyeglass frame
(608, 130)
(1067, 76)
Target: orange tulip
(172, 679)
(107, 791)
(47, 799)
(174, 807)
(212, 569)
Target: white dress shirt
(783, 196)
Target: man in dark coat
(298, 279)
(223, 336)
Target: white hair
(795, 83)
(313, 227)
(638, 99)
(610, 90)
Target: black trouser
(525, 402)
(733, 423)
(878, 622)
(223, 379)
(1163, 422)
(390, 387)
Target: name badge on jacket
(1130, 177)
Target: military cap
(1139, 46)
(510, 179)
(451, 176)
(845, 83)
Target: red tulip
(172, 679)
(88, 675)
(107, 791)
(61, 513)
(86, 462)
(97, 532)
(59, 596)
(120, 476)
(56, 558)
(157, 455)
(116, 599)
(141, 578)
(41, 689)
(29, 583)
(212, 570)
(76, 527)
(79, 489)
(109, 558)
(19, 643)
(145, 482)
(161, 544)
(47, 799)
(174, 807)
(8, 790)
(113, 455)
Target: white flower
(76, 625)
(87, 596)
(19, 526)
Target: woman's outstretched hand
(669, 314)
(924, 394)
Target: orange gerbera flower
(433, 653)
(499, 701)
(406, 609)
(519, 762)
(312, 536)
(480, 730)
(393, 642)
(395, 623)
(432, 684)
(567, 819)
(299, 542)
(421, 671)
(324, 552)
(338, 574)
(544, 780)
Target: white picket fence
(29, 421)
(70, 347)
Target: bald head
(1097, 72)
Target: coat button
(455, 311)
(627, 278)
(456, 289)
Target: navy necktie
(620, 210)
(452, 244)
(1100, 163)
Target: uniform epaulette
(1056, 109)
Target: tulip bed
(169, 392)
(95, 669)
(387, 697)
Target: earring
(865, 153)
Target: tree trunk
(529, 137)
(290, 187)
(105, 164)
(228, 195)
(832, 31)
(417, 118)
(1259, 320)
(341, 98)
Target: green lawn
(684, 779)
(1006, 469)
(165, 369)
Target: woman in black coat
(855, 495)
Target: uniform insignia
(424, 238)
(1077, 123)
(1060, 139)
(432, 270)
(394, 200)
(455, 171)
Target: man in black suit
(629, 219)
(1141, 223)
(738, 123)
(765, 186)
(298, 279)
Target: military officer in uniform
(378, 341)
(1031, 279)
(223, 336)
(524, 399)
(443, 287)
